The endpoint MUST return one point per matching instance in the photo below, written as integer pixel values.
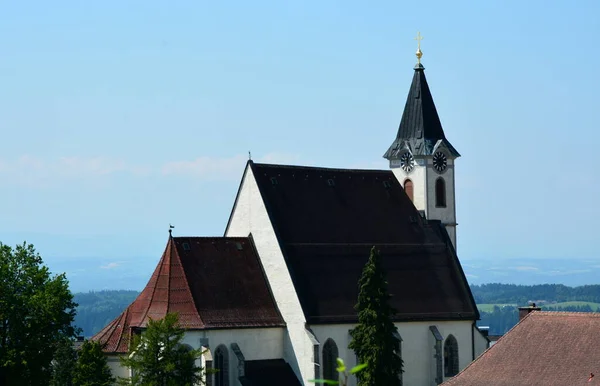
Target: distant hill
(544, 294)
(97, 309)
(497, 303)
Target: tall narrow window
(209, 377)
(398, 353)
(408, 188)
(440, 193)
(330, 355)
(450, 356)
(221, 364)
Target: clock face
(440, 161)
(407, 162)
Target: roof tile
(212, 282)
(544, 348)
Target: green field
(593, 306)
(490, 307)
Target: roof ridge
(158, 271)
(333, 169)
(124, 317)
(212, 237)
(107, 329)
(187, 288)
(568, 313)
(169, 278)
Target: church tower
(422, 158)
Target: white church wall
(481, 343)
(463, 332)
(250, 216)
(417, 349)
(254, 343)
(115, 367)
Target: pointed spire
(420, 128)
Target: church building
(272, 301)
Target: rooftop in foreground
(544, 348)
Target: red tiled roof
(211, 282)
(545, 348)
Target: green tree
(157, 357)
(63, 364)
(36, 313)
(92, 368)
(374, 340)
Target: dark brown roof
(420, 128)
(327, 220)
(211, 282)
(544, 348)
(423, 281)
(321, 205)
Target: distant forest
(497, 304)
(543, 293)
(97, 309)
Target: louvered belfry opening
(440, 193)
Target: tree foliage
(92, 368)
(36, 313)
(63, 364)
(374, 340)
(157, 357)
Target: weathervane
(250, 156)
(171, 228)
(419, 52)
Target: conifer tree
(373, 339)
(92, 368)
(157, 357)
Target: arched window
(399, 353)
(221, 364)
(450, 356)
(408, 188)
(330, 355)
(440, 192)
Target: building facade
(276, 293)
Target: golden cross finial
(419, 52)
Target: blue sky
(118, 118)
